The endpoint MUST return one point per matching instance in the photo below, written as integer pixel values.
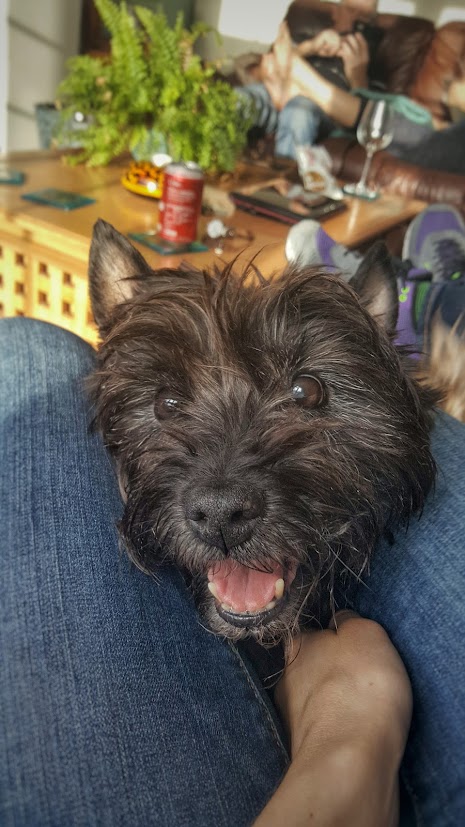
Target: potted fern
(152, 91)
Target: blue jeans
(300, 122)
(117, 707)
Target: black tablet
(269, 203)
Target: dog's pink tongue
(244, 589)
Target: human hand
(346, 700)
(344, 684)
(355, 57)
(325, 44)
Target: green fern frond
(152, 82)
(110, 15)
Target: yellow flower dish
(144, 178)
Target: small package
(314, 164)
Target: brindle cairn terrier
(265, 433)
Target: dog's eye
(166, 405)
(308, 391)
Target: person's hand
(346, 701)
(355, 57)
(325, 44)
(349, 681)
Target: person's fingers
(348, 41)
(354, 44)
(326, 43)
(360, 45)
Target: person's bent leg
(266, 116)
(441, 149)
(299, 124)
(116, 706)
(416, 591)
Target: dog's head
(265, 433)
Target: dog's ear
(376, 284)
(113, 261)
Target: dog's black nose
(224, 517)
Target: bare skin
(325, 44)
(355, 56)
(366, 8)
(286, 74)
(346, 701)
(456, 94)
(352, 48)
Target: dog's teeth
(227, 608)
(270, 605)
(279, 589)
(212, 588)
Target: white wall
(41, 35)
(440, 11)
(250, 22)
(3, 73)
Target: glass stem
(366, 169)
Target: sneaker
(307, 243)
(435, 242)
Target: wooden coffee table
(44, 251)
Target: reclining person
(417, 136)
(282, 109)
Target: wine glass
(374, 132)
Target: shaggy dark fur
(273, 424)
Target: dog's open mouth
(249, 597)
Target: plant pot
(153, 143)
(48, 120)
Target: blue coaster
(10, 176)
(166, 248)
(59, 199)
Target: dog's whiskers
(267, 433)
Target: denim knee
(299, 124)
(266, 116)
(27, 342)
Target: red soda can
(180, 203)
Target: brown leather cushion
(393, 175)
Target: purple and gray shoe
(308, 243)
(435, 242)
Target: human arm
(345, 698)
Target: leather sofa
(389, 174)
(416, 59)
